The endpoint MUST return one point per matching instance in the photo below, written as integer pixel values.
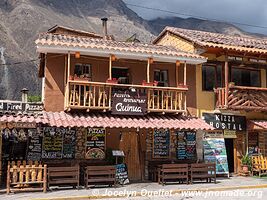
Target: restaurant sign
(16, 106)
(225, 122)
(128, 103)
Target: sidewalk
(137, 188)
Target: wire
(195, 16)
(17, 63)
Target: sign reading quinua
(226, 122)
(128, 104)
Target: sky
(253, 12)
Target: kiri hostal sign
(226, 122)
(128, 103)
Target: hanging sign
(95, 143)
(229, 134)
(128, 103)
(161, 143)
(226, 122)
(215, 151)
(122, 174)
(34, 152)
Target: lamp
(77, 54)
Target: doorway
(129, 143)
(229, 145)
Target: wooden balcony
(97, 96)
(242, 98)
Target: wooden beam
(110, 68)
(177, 65)
(185, 73)
(68, 85)
(149, 61)
(226, 79)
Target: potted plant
(246, 163)
(231, 84)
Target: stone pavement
(136, 189)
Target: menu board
(34, 152)
(161, 143)
(215, 151)
(186, 145)
(52, 143)
(122, 174)
(69, 143)
(95, 143)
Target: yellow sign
(229, 134)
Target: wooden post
(177, 65)
(185, 73)
(149, 61)
(110, 68)
(226, 78)
(8, 179)
(68, 85)
(45, 178)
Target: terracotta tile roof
(62, 119)
(217, 40)
(87, 43)
(257, 124)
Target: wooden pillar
(67, 85)
(185, 73)
(226, 79)
(177, 65)
(149, 61)
(110, 68)
(1, 144)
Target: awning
(257, 124)
(106, 120)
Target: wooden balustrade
(97, 96)
(21, 175)
(242, 98)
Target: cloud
(241, 11)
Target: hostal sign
(226, 122)
(128, 103)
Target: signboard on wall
(16, 106)
(215, 151)
(69, 143)
(161, 143)
(226, 122)
(186, 145)
(95, 143)
(128, 103)
(34, 152)
(229, 134)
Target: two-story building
(136, 94)
(230, 88)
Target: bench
(22, 176)
(202, 171)
(100, 175)
(259, 165)
(64, 176)
(173, 173)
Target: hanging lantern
(77, 54)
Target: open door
(129, 144)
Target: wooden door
(130, 145)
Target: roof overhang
(118, 53)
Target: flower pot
(245, 168)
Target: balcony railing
(242, 98)
(97, 96)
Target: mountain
(22, 21)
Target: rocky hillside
(22, 20)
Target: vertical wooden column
(226, 79)
(1, 144)
(110, 68)
(177, 65)
(67, 85)
(149, 61)
(185, 73)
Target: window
(161, 76)
(245, 77)
(121, 74)
(83, 70)
(211, 76)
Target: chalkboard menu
(161, 143)
(69, 143)
(122, 174)
(34, 145)
(186, 145)
(95, 143)
(52, 143)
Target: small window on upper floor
(121, 74)
(211, 76)
(246, 77)
(161, 76)
(83, 70)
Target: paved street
(233, 188)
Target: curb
(138, 194)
